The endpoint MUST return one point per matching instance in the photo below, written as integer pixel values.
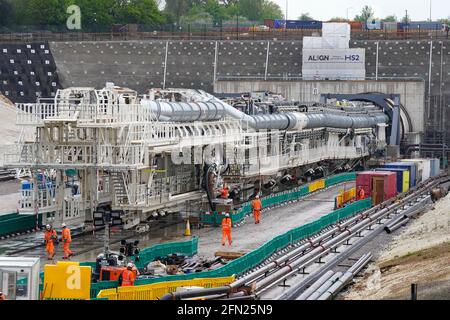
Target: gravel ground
(419, 253)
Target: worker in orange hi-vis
(224, 192)
(257, 206)
(226, 229)
(361, 194)
(50, 237)
(66, 239)
(129, 275)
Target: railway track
(290, 271)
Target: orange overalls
(128, 277)
(50, 237)
(226, 230)
(257, 206)
(66, 239)
(362, 194)
(224, 193)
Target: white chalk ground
(428, 231)
(431, 229)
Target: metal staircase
(120, 188)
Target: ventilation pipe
(215, 109)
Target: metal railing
(241, 33)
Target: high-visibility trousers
(67, 250)
(226, 234)
(50, 248)
(257, 215)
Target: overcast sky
(326, 9)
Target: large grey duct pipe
(216, 109)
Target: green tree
(177, 8)
(305, 17)
(251, 9)
(391, 18)
(216, 11)
(138, 11)
(45, 12)
(366, 13)
(270, 10)
(6, 13)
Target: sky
(326, 9)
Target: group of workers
(51, 238)
(227, 223)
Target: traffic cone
(187, 232)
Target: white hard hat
(47, 226)
(129, 265)
(63, 225)
(257, 196)
(227, 215)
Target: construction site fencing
(146, 255)
(255, 257)
(161, 250)
(215, 33)
(237, 216)
(157, 290)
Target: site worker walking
(66, 239)
(361, 194)
(224, 192)
(257, 206)
(129, 275)
(226, 229)
(50, 237)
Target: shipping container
(411, 166)
(379, 185)
(435, 167)
(415, 26)
(269, 23)
(402, 178)
(297, 24)
(423, 168)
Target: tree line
(146, 12)
(367, 13)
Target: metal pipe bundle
(316, 285)
(215, 109)
(324, 287)
(341, 282)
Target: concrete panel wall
(134, 64)
(191, 64)
(412, 92)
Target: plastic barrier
(13, 223)
(255, 257)
(146, 255)
(157, 290)
(215, 218)
(161, 250)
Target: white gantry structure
(152, 154)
